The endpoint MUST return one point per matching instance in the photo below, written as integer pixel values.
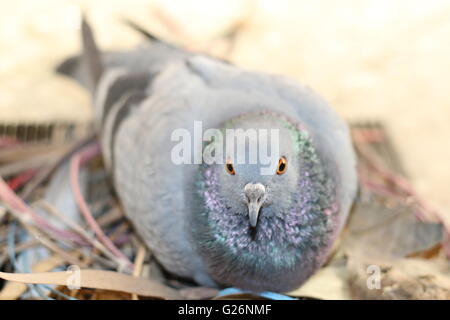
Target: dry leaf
(32, 162)
(329, 283)
(13, 290)
(400, 279)
(381, 231)
(28, 151)
(99, 279)
(384, 222)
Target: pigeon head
(265, 225)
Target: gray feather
(143, 95)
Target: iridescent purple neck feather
(287, 245)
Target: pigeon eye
(230, 168)
(282, 166)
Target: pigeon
(247, 224)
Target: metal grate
(51, 132)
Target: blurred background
(372, 60)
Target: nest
(63, 234)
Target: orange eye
(282, 166)
(230, 168)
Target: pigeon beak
(255, 195)
(253, 213)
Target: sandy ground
(385, 60)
